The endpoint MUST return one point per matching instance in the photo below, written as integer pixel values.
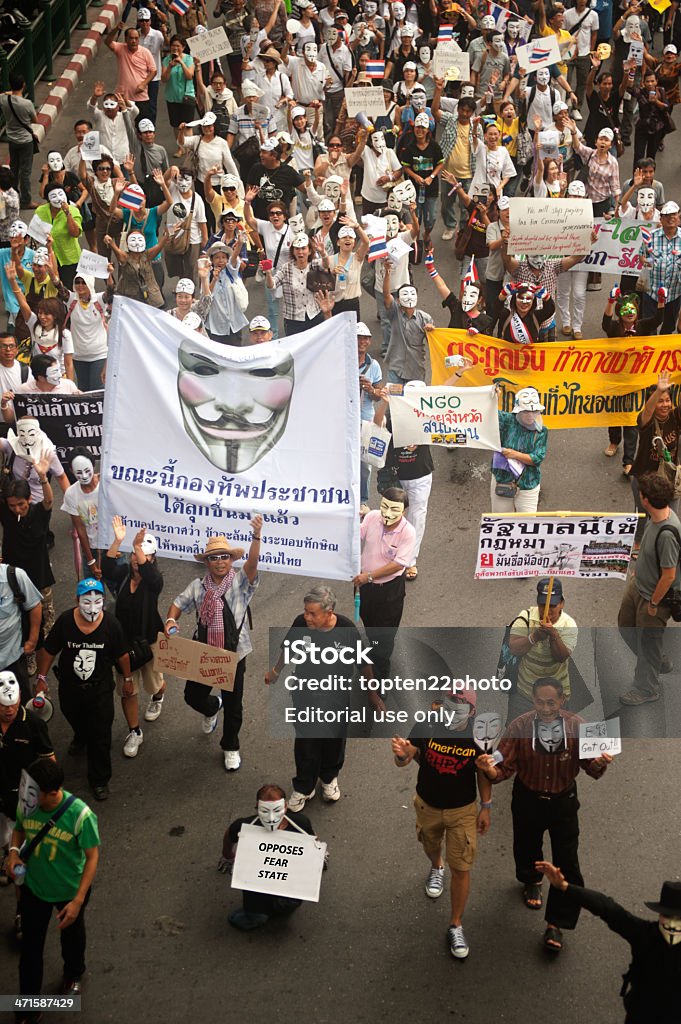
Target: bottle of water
(421, 195)
(19, 874)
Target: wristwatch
(370, 578)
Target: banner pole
(545, 616)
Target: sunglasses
(218, 558)
(107, 170)
(334, 145)
(230, 188)
(276, 213)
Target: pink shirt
(380, 546)
(133, 69)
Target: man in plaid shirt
(662, 255)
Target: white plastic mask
(330, 36)
(184, 184)
(498, 41)
(406, 192)
(536, 262)
(271, 813)
(670, 928)
(370, 8)
(55, 162)
(90, 606)
(399, 11)
(392, 222)
(425, 54)
(470, 297)
(365, 38)
(378, 142)
(391, 511)
(82, 468)
(467, 91)
(513, 29)
(487, 730)
(53, 375)
(646, 199)
(29, 438)
(550, 734)
(407, 297)
(136, 242)
(235, 411)
(332, 190)
(110, 104)
(543, 76)
(418, 100)
(632, 27)
(296, 224)
(29, 791)
(394, 201)
(310, 52)
(457, 712)
(57, 198)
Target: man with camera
(644, 611)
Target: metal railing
(47, 36)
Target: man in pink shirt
(387, 549)
(136, 66)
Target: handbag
(509, 663)
(247, 153)
(27, 125)
(524, 146)
(374, 444)
(320, 280)
(583, 173)
(140, 654)
(387, 477)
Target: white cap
(229, 181)
(503, 203)
(300, 241)
(185, 285)
(347, 232)
(606, 133)
(194, 322)
(149, 545)
(251, 89)
(407, 30)
(362, 330)
(284, 137)
(670, 48)
(260, 323)
(269, 146)
(558, 106)
(144, 14)
(146, 125)
(326, 206)
(409, 66)
(421, 121)
(670, 207)
(298, 112)
(9, 689)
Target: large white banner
(198, 437)
(455, 417)
(590, 545)
(616, 250)
(283, 863)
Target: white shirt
(112, 131)
(153, 42)
(491, 166)
(342, 58)
(274, 89)
(73, 158)
(10, 377)
(399, 271)
(270, 239)
(215, 153)
(589, 25)
(199, 214)
(88, 329)
(308, 83)
(85, 506)
(375, 166)
(47, 342)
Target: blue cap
(89, 584)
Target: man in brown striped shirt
(541, 748)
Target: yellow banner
(581, 384)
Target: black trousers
(381, 605)
(35, 920)
(265, 903)
(317, 759)
(202, 699)
(90, 713)
(532, 817)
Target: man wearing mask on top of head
(445, 803)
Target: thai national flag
(132, 197)
(539, 53)
(180, 6)
(375, 69)
(444, 33)
(471, 276)
(500, 15)
(377, 249)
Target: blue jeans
(393, 378)
(89, 375)
(273, 311)
(427, 212)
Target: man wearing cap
(136, 65)
(541, 748)
(274, 181)
(651, 985)
(544, 644)
(662, 257)
(260, 330)
(456, 142)
(153, 40)
(337, 59)
(89, 641)
(221, 601)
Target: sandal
(532, 895)
(611, 450)
(412, 572)
(626, 469)
(553, 939)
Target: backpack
(672, 599)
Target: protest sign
(209, 45)
(364, 99)
(91, 148)
(397, 248)
(616, 250)
(543, 227)
(70, 421)
(188, 659)
(282, 863)
(540, 53)
(454, 417)
(215, 461)
(93, 264)
(450, 55)
(549, 142)
(581, 384)
(39, 229)
(636, 51)
(596, 738)
(588, 545)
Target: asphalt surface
(159, 945)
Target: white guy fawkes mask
(235, 411)
(487, 730)
(670, 928)
(632, 28)
(405, 192)
(467, 91)
(543, 76)
(310, 52)
(407, 296)
(332, 190)
(392, 223)
(458, 713)
(83, 470)
(394, 201)
(271, 813)
(55, 162)
(513, 29)
(56, 198)
(28, 793)
(29, 439)
(90, 605)
(418, 100)
(370, 8)
(391, 511)
(646, 199)
(85, 660)
(366, 37)
(498, 41)
(297, 224)
(378, 142)
(184, 184)
(470, 296)
(53, 375)
(399, 11)
(551, 734)
(330, 35)
(425, 54)
(536, 262)
(136, 242)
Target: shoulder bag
(26, 125)
(28, 848)
(509, 663)
(178, 244)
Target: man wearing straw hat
(221, 601)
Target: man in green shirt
(59, 873)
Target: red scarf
(210, 614)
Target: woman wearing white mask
(516, 469)
(187, 225)
(382, 169)
(86, 318)
(136, 279)
(66, 225)
(346, 264)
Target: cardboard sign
(448, 56)
(543, 227)
(282, 863)
(209, 45)
(540, 53)
(188, 659)
(454, 417)
(93, 264)
(39, 229)
(596, 738)
(365, 99)
(91, 148)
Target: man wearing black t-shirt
(89, 641)
(274, 180)
(445, 805)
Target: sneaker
(435, 883)
(210, 721)
(635, 697)
(458, 946)
(72, 988)
(133, 742)
(576, 115)
(297, 800)
(246, 921)
(447, 234)
(154, 709)
(331, 791)
(232, 760)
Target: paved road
(374, 948)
